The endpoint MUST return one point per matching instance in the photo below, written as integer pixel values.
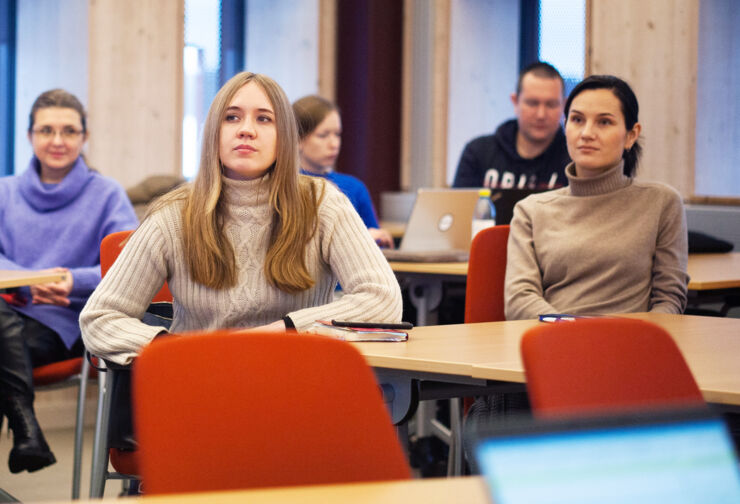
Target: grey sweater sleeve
(523, 291)
(110, 322)
(669, 289)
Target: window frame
(7, 75)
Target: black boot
(30, 451)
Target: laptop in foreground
(439, 227)
(677, 456)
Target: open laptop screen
(689, 459)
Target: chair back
(484, 292)
(111, 247)
(599, 364)
(224, 410)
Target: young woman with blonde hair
(250, 243)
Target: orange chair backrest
(604, 364)
(110, 247)
(484, 292)
(223, 410)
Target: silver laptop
(439, 227)
(676, 456)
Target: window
(201, 72)
(716, 173)
(562, 38)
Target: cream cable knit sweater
(341, 250)
(607, 244)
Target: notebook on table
(439, 227)
(678, 456)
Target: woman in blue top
(320, 130)
(52, 216)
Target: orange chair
(125, 463)
(484, 292)
(484, 302)
(592, 365)
(110, 247)
(224, 410)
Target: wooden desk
(468, 489)
(12, 278)
(714, 271)
(453, 269)
(707, 271)
(487, 354)
(710, 345)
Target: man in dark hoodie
(526, 152)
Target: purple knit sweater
(48, 225)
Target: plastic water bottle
(485, 213)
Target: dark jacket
(492, 161)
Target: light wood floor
(53, 482)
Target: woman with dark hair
(52, 216)
(320, 131)
(606, 243)
(250, 243)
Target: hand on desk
(382, 237)
(54, 293)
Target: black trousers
(25, 344)
(121, 426)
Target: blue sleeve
(5, 262)
(119, 215)
(365, 207)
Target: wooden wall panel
(426, 48)
(653, 46)
(327, 48)
(135, 87)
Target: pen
(557, 317)
(372, 325)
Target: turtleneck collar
(247, 193)
(611, 180)
(48, 197)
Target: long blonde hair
(295, 199)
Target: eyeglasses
(47, 133)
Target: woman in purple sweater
(52, 216)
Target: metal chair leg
(100, 441)
(456, 455)
(79, 425)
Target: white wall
(484, 66)
(282, 41)
(51, 52)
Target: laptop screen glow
(688, 462)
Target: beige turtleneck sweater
(607, 244)
(341, 250)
